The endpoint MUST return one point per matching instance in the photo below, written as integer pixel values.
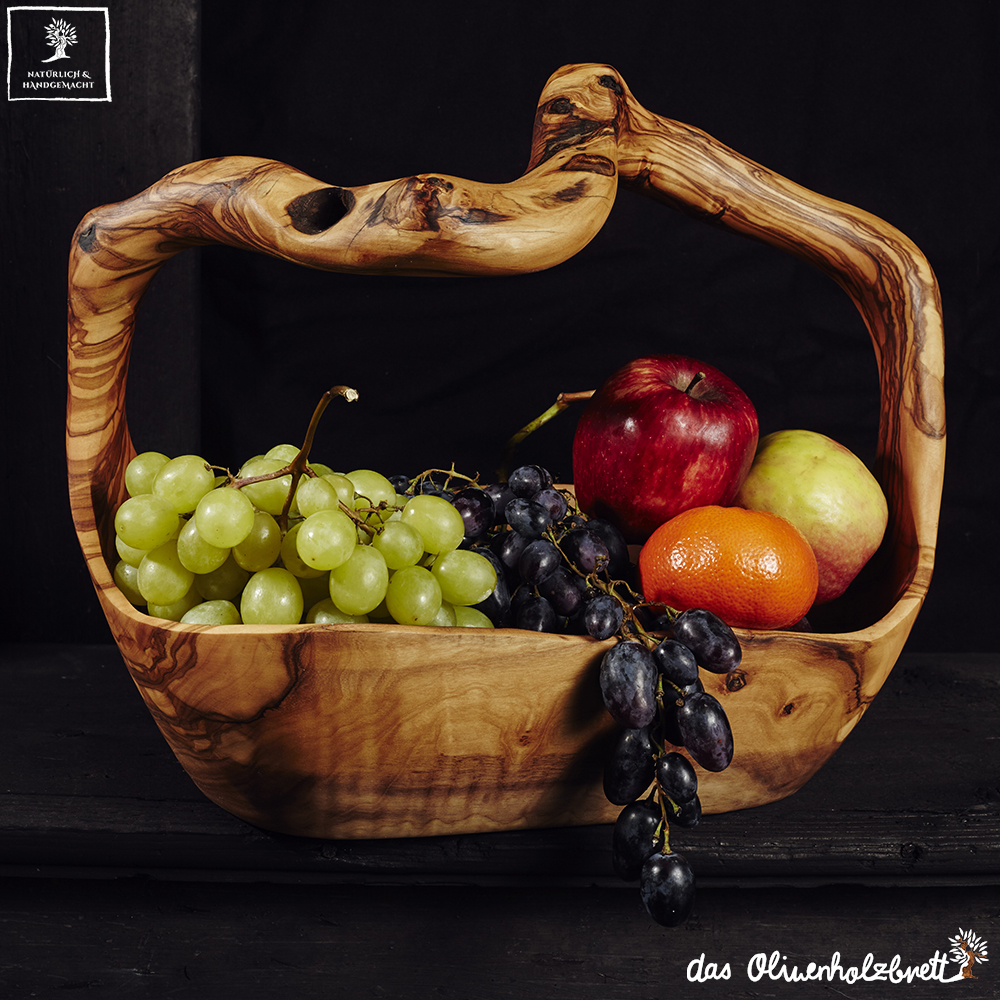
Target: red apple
(663, 434)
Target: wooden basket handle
(589, 134)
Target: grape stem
(614, 588)
(449, 474)
(563, 401)
(299, 466)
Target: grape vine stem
(299, 466)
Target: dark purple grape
(676, 777)
(501, 495)
(614, 542)
(603, 616)
(666, 884)
(628, 684)
(629, 769)
(527, 517)
(540, 559)
(437, 491)
(496, 607)
(635, 838)
(554, 502)
(508, 546)
(688, 814)
(477, 509)
(584, 550)
(562, 589)
(691, 688)
(676, 662)
(712, 641)
(527, 480)
(435, 485)
(400, 483)
(535, 614)
(705, 730)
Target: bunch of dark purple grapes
(653, 691)
(559, 571)
(555, 567)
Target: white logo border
(107, 53)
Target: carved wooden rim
(590, 134)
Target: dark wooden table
(118, 877)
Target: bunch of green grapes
(257, 548)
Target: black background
(891, 107)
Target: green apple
(827, 492)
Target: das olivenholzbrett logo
(58, 54)
(966, 948)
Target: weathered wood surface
(352, 732)
(90, 788)
(138, 938)
(118, 876)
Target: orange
(752, 568)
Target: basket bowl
(365, 731)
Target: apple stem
(563, 401)
(694, 382)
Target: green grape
(326, 539)
(212, 613)
(183, 481)
(262, 546)
(224, 583)
(283, 452)
(465, 577)
(290, 557)
(325, 612)
(343, 486)
(471, 618)
(195, 553)
(140, 472)
(316, 494)
(127, 553)
(162, 577)
(437, 520)
(372, 488)
(358, 585)
(127, 581)
(270, 494)
(146, 521)
(445, 618)
(413, 596)
(224, 517)
(271, 597)
(176, 611)
(400, 544)
(320, 469)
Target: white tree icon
(969, 948)
(59, 34)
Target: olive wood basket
(352, 731)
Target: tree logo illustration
(60, 35)
(969, 948)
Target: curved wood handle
(589, 133)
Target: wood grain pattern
(372, 731)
